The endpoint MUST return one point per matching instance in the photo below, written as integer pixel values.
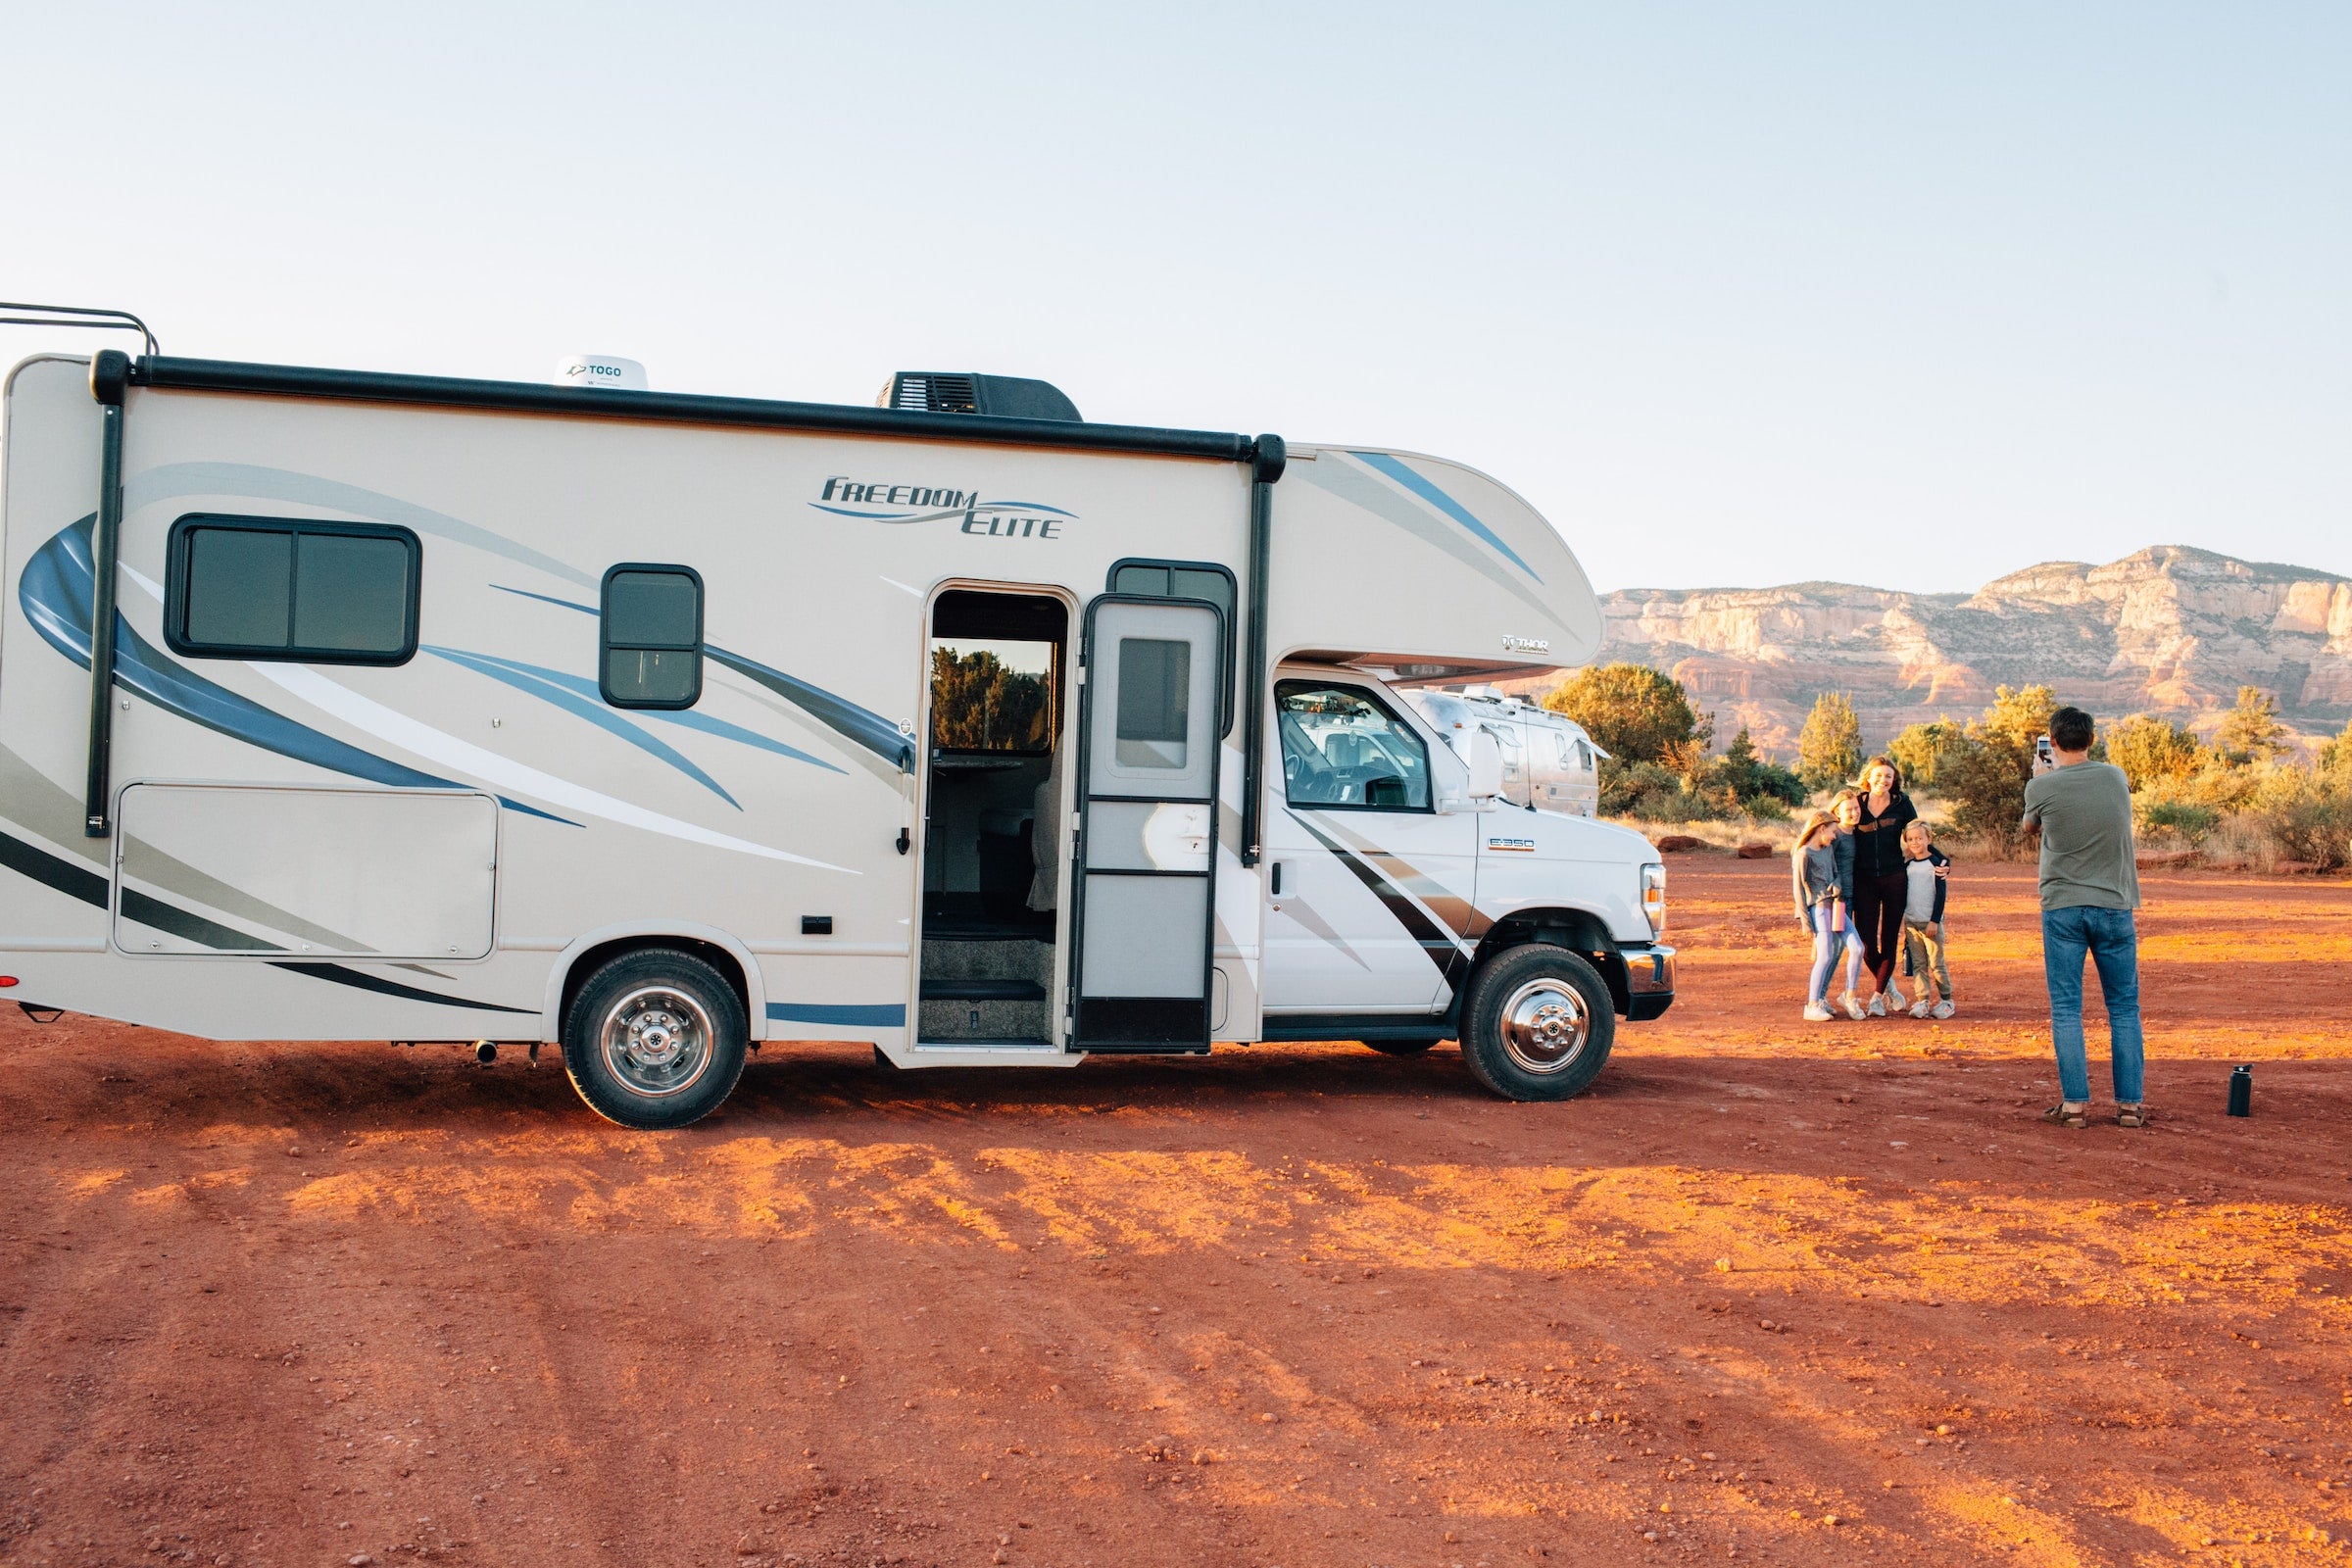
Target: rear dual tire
(656, 1040)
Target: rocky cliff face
(2168, 631)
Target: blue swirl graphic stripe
(1405, 476)
(846, 719)
(561, 690)
(875, 1015)
(55, 592)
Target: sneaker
(1878, 1006)
(1943, 1009)
(1896, 1000)
(1853, 1008)
(1919, 1008)
(1818, 1012)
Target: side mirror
(1484, 762)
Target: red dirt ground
(1773, 1292)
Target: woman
(1815, 877)
(1880, 880)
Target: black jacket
(1879, 840)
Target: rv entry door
(1146, 844)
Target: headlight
(1653, 899)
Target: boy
(1923, 919)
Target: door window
(1341, 747)
(1155, 685)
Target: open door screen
(1148, 832)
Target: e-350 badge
(917, 503)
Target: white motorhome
(350, 706)
(1548, 762)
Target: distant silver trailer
(347, 706)
(1548, 762)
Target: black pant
(1878, 919)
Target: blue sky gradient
(1909, 296)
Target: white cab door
(1369, 888)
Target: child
(1846, 807)
(1815, 875)
(1923, 919)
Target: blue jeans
(1824, 953)
(2112, 940)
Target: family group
(1870, 882)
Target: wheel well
(1578, 930)
(583, 968)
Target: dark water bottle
(2241, 1090)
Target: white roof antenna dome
(607, 371)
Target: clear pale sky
(1736, 294)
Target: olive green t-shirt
(2085, 816)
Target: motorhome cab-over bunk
(345, 705)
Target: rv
(346, 706)
(1548, 762)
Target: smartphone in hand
(2043, 762)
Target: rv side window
(1187, 580)
(650, 652)
(289, 588)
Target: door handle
(1277, 879)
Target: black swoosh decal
(392, 988)
(73, 881)
(153, 912)
(1437, 942)
(91, 888)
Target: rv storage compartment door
(1147, 841)
(262, 871)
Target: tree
(979, 704)
(2151, 750)
(1985, 776)
(1636, 714)
(1829, 750)
(1921, 748)
(1759, 785)
(2251, 731)
(2336, 757)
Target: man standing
(2082, 810)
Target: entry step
(982, 990)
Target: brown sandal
(2132, 1116)
(2060, 1116)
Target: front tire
(656, 1040)
(1537, 1023)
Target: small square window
(652, 637)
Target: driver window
(1341, 748)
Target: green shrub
(1984, 773)
(2151, 751)
(2179, 817)
(2309, 818)
(1756, 784)
(1918, 750)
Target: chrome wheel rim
(1545, 1026)
(657, 1040)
